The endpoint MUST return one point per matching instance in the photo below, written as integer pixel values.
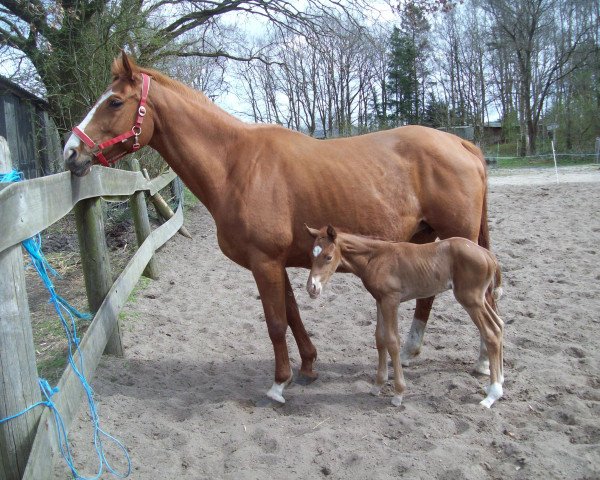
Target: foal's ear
(127, 66)
(312, 231)
(331, 233)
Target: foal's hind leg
(492, 335)
(382, 368)
(308, 352)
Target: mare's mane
(118, 70)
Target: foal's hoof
(304, 378)
(494, 392)
(397, 400)
(375, 391)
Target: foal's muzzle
(313, 287)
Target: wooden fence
(28, 444)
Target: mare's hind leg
(382, 368)
(414, 339)
(270, 280)
(308, 353)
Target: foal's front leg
(389, 310)
(382, 368)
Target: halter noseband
(135, 131)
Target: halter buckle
(142, 111)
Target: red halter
(135, 131)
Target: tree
(544, 50)
(71, 44)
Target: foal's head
(113, 127)
(325, 258)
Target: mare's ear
(127, 66)
(312, 231)
(331, 233)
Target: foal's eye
(328, 258)
(115, 103)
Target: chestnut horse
(394, 272)
(261, 183)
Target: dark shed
(30, 132)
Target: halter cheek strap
(135, 131)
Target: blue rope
(33, 246)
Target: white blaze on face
(74, 142)
(317, 251)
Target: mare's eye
(115, 103)
(329, 258)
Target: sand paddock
(187, 399)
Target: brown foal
(394, 272)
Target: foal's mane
(358, 244)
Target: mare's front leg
(389, 310)
(308, 353)
(270, 280)
(382, 368)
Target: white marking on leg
(276, 392)
(414, 341)
(482, 365)
(494, 392)
(74, 141)
(397, 400)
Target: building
(31, 134)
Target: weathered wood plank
(95, 261)
(18, 372)
(139, 212)
(45, 447)
(27, 208)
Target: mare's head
(113, 127)
(325, 259)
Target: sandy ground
(187, 399)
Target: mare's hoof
(266, 402)
(406, 357)
(482, 368)
(306, 378)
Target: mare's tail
(484, 234)
(483, 238)
(496, 285)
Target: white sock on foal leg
(482, 365)
(397, 400)
(494, 392)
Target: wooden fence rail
(27, 208)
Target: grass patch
(542, 161)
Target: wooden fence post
(19, 387)
(139, 212)
(96, 262)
